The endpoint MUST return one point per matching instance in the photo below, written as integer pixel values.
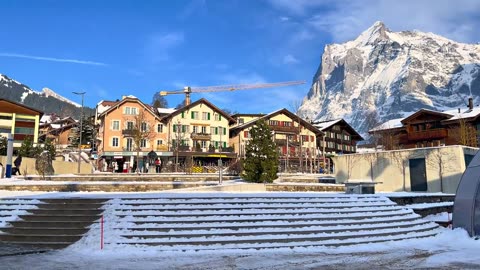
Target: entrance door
(418, 174)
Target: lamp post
(81, 127)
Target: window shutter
(183, 114)
(184, 128)
(224, 131)
(208, 116)
(216, 130)
(219, 117)
(174, 128)
(245, 134)
(192, 115)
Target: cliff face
(383, 75)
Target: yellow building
(200, 130)
(20, 120)
(296, 138)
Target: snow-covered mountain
(382, 75)
(46, 100)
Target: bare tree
(444, 162)
(401, 162)
(464, 133)
(295, 106)
(179, 135)
(350, 162)
(141, 131)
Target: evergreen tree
(88, 131)
(159, 101)
(261, 157)
(50, 148)
(27, 149)
(3, 146)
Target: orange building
(115, 138)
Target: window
(159, 142)
(346, 137)
(24, 130)
(144, 126)
(143, 143)
(130, 125)
(5, 117)
(134, 111)
(116, 125)
(115, 142)
(204, 144)
(218, 117)
(5, 130)
(185, 128)
(246, 134)
(129, 144)
(195, 129)
(273, 122)
(204, 115)
(130, 110)
(204, 129)
(194, 115)
(159, 128)
(287, 124)
(127, 110)
(241, 120)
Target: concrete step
(176, 227)
(32, 238)
(251, 207)
(44, 231)
(268, 212)
(284, 218)
(253, 203)
(39, 245)
(66, 212)
(68, 201)
(273, 231)
(66, 218)
(278, 239)
(67, 224)
(79, 206)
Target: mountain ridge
(382, 75)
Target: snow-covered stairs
(47, 223)
(241, 221)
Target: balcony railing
(284, 129)
(162, 147)
(128, 132)
(201, 136)
(427, 135)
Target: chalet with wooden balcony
(428, 128)
(296, 138)
(340, 137)
(20, 120)
(199, 130)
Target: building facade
(296, 139)
(119, 126)
(20, 120)
(428, 128)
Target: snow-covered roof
(55, 126)
(394, 123)
(165, 110)
(464, 113)
(326, 124)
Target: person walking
(158, 164)
(17, 163)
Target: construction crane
(187, 90)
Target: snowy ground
(451, 249)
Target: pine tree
(27, 149)
(261, 157)
(3, 145)
(50, 148)
(159, 101)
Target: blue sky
(115, 48)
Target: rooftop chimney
(470, 103)
(458, 110)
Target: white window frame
(118, 124)
(143, 143)
(117, 142)
(159, 128)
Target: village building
(429, 169)
(296, 138)
(20, 120)
(428, 128)
(60, 131)
(198, 136)
(118, 123)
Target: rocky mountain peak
(382, 75)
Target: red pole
(101, 233)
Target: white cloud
(52, 59)
(284, 19)
(457, 20)
(160, 45)
(290, 59)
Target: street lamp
(81, 127)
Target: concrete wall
(60, 167)
(444, 168)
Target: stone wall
(61, 167)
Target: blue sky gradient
(115, 48)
